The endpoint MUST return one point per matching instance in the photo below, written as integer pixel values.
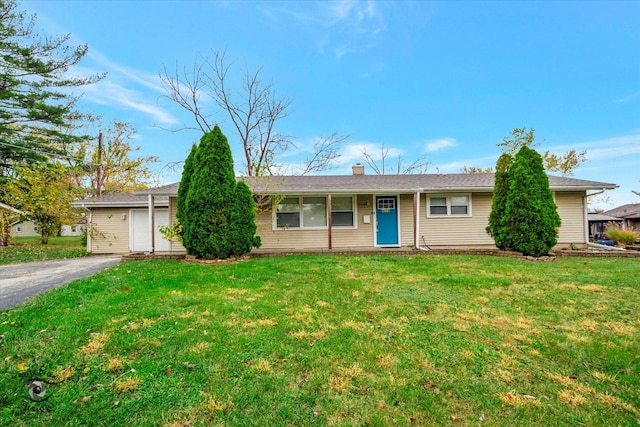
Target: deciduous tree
(388, 161)
(44, 193)
(564, 164)
(253, 108)
(110, 165)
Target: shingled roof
(362, 184)
(628, 211)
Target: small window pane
(289, 204)
(341, 204)
(459, 205)
(438, 201)
(386, 204)
(288, 220)
(438, 210)
(314, 211)
(459, 210)
(342, 219)
(459, 201)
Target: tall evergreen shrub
(243, 226)
(218, 216)
(183, 189)
(497, 228)
(531, 216)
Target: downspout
(418, 225)
(329, 222)
(416, 219)
(152, 243)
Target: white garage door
(140, 230)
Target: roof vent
(358, 169)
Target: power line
(47, 153)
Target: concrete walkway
(19, 282)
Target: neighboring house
(25, 228)
(630, 213)
(28, 228)
(77, 229)
(598, 224)
(374, 211)
(119, 223)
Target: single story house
(357, 211)
(28, 228)
(629, 214)
(598, 223)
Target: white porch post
(152, 227)
(416, 214)
(586, 217)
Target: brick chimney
(358, 169)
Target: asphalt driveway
(19, 282)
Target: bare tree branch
(381, 165)
(253, 109)
(325, 151)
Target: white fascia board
(144, 204)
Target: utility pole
(99, 170)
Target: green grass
(332, 340)
(27, 249)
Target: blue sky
(447, 79)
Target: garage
(139, 233)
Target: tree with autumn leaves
(46, 156)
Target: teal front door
(387, 221)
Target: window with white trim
(314, 212)
(302, 212)
(18, 229)
(443, 205)
(342, 211)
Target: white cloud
(117, 71)
(113, 94)
(440, 144)
(341, 27)
(628, 98)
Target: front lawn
(332, 340)
(27, 249)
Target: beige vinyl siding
(571, 211)
(357, 237)
(292, 238)
(173, 210)
(27, 229)
(406, 220)
(109, 232)
(457, 231)
(288, 238)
